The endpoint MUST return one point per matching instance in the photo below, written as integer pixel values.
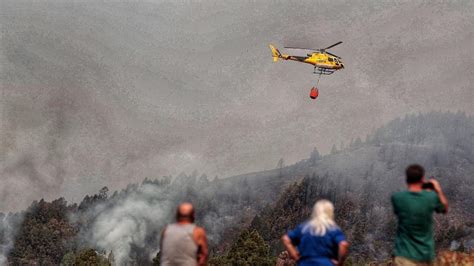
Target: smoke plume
(129, 221)
(9, 224)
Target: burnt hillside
(124, 226)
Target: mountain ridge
(358, 178)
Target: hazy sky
(106, 93)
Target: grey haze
(98, 93)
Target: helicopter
(324, 62)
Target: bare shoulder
(199, 231)
(199, 235)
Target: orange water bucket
(314, 93)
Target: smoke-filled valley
(123, 227)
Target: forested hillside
(360, 179)
(246, 215)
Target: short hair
(414, 173)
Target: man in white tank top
(183, 243)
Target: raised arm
(439, 191)
(294, 254)
(201, 240)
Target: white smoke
(129, 221)
(8, 227)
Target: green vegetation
(45, 234)
(89, 256)
(248, 249)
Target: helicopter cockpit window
(330, 59)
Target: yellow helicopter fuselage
(317, 59)
(322, 60)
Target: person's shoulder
(430, 194)
(335, 230)
(336, 233)
(302, 227)
(303, 224)
(199, 235)
(199, 230)
(399, 194)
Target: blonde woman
(318, 241)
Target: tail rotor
(276, 54)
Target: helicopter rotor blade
(301, 48)
(331, 46)
(333, 55)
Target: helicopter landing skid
(323, 71)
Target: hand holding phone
(427, 185)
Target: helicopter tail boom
(276, 54)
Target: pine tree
(280, 165)
(315, 156)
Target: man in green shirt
(414, 207)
